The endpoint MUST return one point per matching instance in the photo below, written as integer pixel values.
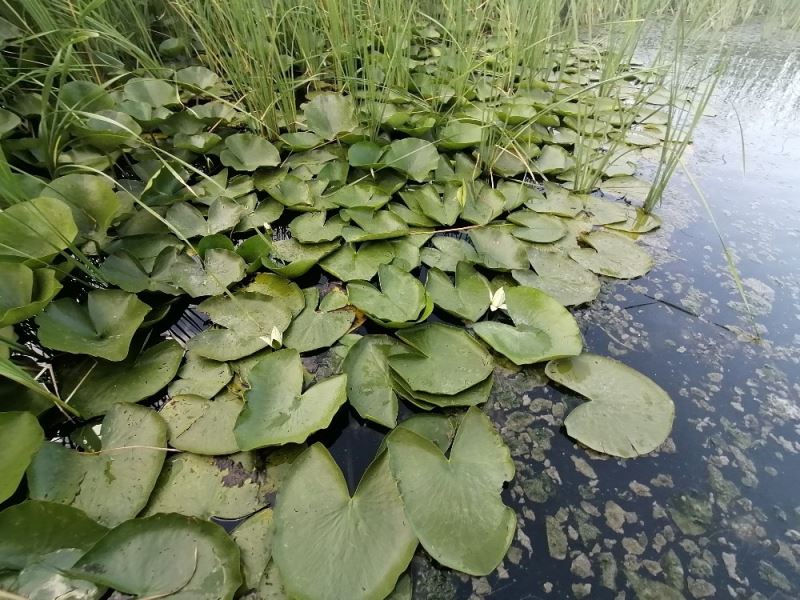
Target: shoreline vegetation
(370, 207)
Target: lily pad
(248, 152)
(557, 201)
(211, 277)
(200, 376)
(329, 545)
(475, 537)
(413, 157)
(560, 277)
(457, 135)
(612, 255)
(248, 313)
(292, 259)
(446, 359)
(254, 537)
(204, 561)
(226, 487)
(33, 528)
(349, 263)
(427, 200)
(369, 381)
(315, 227)
(467, 299)
(365, 224)
(223, 215)
(447, 252)
(277, 411)
(628, 414)
(36, 229)
(498, 249)
(543, 329)
(201, 425)
(535, 227)
(25, 292)
(22, 436)
(155, 92)
(92, 199)
(313, 329)
(111, 486)
(95, 386)
(103, 326)
(636, 221)
(329, 114)
(400, 301)
(226, 344)
(482, 206)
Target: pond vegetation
(372, 207)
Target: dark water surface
(715, 513)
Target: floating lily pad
(560, 277)
(313, 329)
(349, 263)
(400, 301)
(103, 326)
(627, 186)
(612, 255)
(254, 537)
(457, 135)
(92, 199)
(535, 227)
(628, 414)
(444, 210)
(112, 486)
(498, 249)
(201, 425)
(36, 229)
(277, 411)
(369, 382)
(226, 344)
(22, 436)
(33, 528)
(292, 259)
(636, 221)
(543, 329)
(248, 313)
(447, 252)
(413, 157)
(226, 487)
(554, 159)
(315, 227)
(329, 545)
(223, 215)
(203, 565)
(468, 298)
(95, 386)
(475, 537)
(447, 360)
(558, 201)
(211, 277)
(25, 292)
(248, 152)
(270, 284)
(329, 115)
(472, 396)
(154, 92)
(603, 212)
(482, 206)
(200, 376)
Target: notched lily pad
(628, 414)
(400, 301)
(612, 255)
(467, 298)
(316, 328)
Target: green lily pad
(315, 227)
(22, 436)
(330, 115)
(446, 360)
(313, 329)
(636, 221)
(103, 326)
(457, 135)
(535, 227)
(226, 344)
(277, 411)
(92, 199)
(427, 200)
(223, 215)
(301, 141)
(202, 426)
(95, 386)
(472, 396)
(248, 152)
(554, 159)
(292, 259)
(198, 78)
(558, 201)
(32, 529)
(468, 299)
(226, 487)
(628, 414)
(254, 537)
(369, 382)
(329, 545)
(612, 255)
(112, 486)
(543, 329)
(498, 249)
(400, 301)
(413, 157)
(627, 186)
(365, 154)
(603, 212)
(155, 92)
(200, 376)
(349, 263)
(560, 277)
(36, 229)
(25, 292)
(365, 224)
(447, 252)
(360, 194)
(211, 277)
(475, 537)
(248, 313)
(204, 561)
(483, 206)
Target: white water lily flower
(498, 300)
(275, 338)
